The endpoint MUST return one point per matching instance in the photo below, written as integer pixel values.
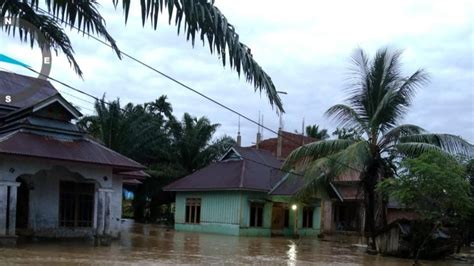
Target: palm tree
(191, 142)
(197, 18)
(161, 107)
(314, 132)
(132, 130)
(378, 99)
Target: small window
(193, 211)
(307, 217)
(256, 215)
(287, 218)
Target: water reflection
(149, 244)
(292, 253)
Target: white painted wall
(44, 196)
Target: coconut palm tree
(314, 132)
(194, 18)
(379, 98)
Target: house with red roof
(55, 181)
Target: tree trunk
(370, 218)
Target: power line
(69, 86)
(177, 82)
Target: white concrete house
(54, 180)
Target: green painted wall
(228, 212)
(245, 228)
(216, 207)
(223, 212)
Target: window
(307, 217)
(287, 218)
(256, 215)
(193, 211)
(76, 204)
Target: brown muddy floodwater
(143, 244)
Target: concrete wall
(44, 191)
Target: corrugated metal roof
(140, 174)
(75, 150)
(132, 182)
(11, 83)
(288, 186)
(257, 170)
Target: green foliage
(314, 132)
(347, 133)
(199, 18)
(378, 100)
(434, 185)
(151, 135)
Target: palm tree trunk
(370, 215)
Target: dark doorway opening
(22, 205)
(347, 216)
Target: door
(278, 220)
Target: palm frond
(83, 15)
(52, 31)
(396, 133)
(346, 116)
(409, 85)
(319, 173)
(446, 142)
(302, 156)
(201, 19)
(413, 149)
(388, 111)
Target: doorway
(22, 205)
(278, 219)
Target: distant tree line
(150, 134)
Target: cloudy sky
(305, 46)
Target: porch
(38, 198)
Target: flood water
(143, 244)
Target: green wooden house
(243, 194)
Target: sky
(305, 47)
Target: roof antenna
(258, 126)
(280, 127)
(262, 126)
(239, 138)
(302, 131)
(259, 136)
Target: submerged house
(55, 181)
(245, 194)
(343, 211)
